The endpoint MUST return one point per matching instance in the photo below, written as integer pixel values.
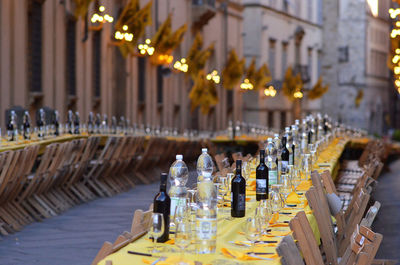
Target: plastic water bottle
(205, 166)
(271, 162)
(178, 176)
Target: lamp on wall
(122, 36)
(98, 19)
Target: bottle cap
(179, 157)
(204, 150)
(164, 177)
(276, 135)
(269, 140)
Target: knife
(140, 253)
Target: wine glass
(286, 187)
(156, 229)
(263, 213)
(277, 201)
(252, 231)
(183, 236)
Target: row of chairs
(350, 239)
(35, 186)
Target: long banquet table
(229, 231)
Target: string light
(181, 65)
(123, 36)
(98, 18)
(165, 58)
(214, 76)
(270, 91)
(394, 12)
(146, 48)
(246, 85)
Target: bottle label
(272, 177)
(206, 228)
(242, 202)
(284, 166)
(261, 187)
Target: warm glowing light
(125, 27)
(146, 48)
(181, 65)
(214, 77)
(394, 12)
(298, 94)
(270, 91)
(147, 41)
(395, 33)
(102, 8)
(246, 85)
(397, 70)
(101, 19)
(397, 83)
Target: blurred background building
(51, 57)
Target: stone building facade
(282, 33)
(50, 58)
(354, 63)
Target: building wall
(365, 37)
(118, 77)
(270, 22)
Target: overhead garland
(197, 58)
(318, 90)
(81, 8)
(292, 85)
(233, 71)
(165, 41)
(133, 20)
(203, 94)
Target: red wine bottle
(284, 155)
(238, 203)
(262, 178)
(162, 204)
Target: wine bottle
(70, 121)
(11, 126)
(76, 123)
(41, 124)
(162, 204)
(285, 155)
(26, 126)
(238, 201)
(262, 178)
(90, 123)
(56, 123)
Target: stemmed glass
(286, 187)
(252, 230)
(263, 213)
(156, 229)
(183, 236)
(277, 202)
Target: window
(160, 84)
(96, 62)
(283, 119)
(319, 12)
(284, 59)
(286, 5)
(271, 58)
(310, 10)
(298, 8)
(270, 119)
(35, 46)
(310, 62)
(70, 56)
(319, 66)
(378, 63)
(142, 80)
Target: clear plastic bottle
(277, 143)
(230, 130)
(271, 162)
(178, 177)
(206, 228)
(205, 166)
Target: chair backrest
(303, 233)
(371, 214)
(288, 251)
(140, 222)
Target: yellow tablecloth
(232, 230)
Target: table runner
(231, 230)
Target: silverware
(158, 260)
(141, 254)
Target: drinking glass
(306, 167)
(286, 187)
(277, 202)
(230, 176)
(252, 231)
(183, 235)
(263, 213)
(224, 186)
(245, 171)
(156, 229)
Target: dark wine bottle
(90, 123)
(162, 204)
(70, 121)
(238, 203)
(285, 155)
(262, 178)
(56, 123)
(41, 124)
(11, 126)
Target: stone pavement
(387, 221)
(75, 237)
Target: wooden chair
(288, 251)
(303, 233)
